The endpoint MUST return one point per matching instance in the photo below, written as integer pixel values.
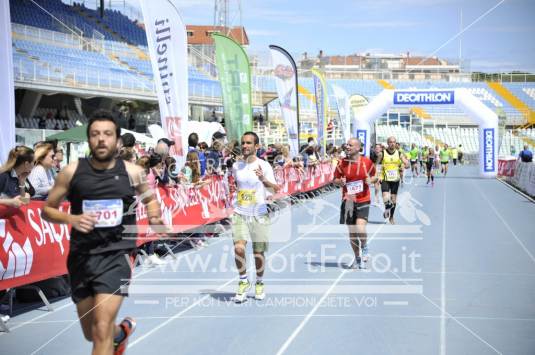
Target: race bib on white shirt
(392, 174)
(355, 187)
(109, 213)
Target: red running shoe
(129, 326)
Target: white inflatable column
(488, 131)
(375, 109)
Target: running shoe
(260, 293)
(155, 260)
(386, 213)
(365, 254)
(355, 265)
(243, 287)
(129, 326)
(362, 265)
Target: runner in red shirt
(355, 173)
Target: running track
(455, 276)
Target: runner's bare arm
(339, 181)
(371, 175)
(268, 180)
(405, 161)
(57, 194)
(51, 213)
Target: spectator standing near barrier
(214, 156)
(101, 190)
(355, 173)
(252, 178)
(15, 188)
(193, 142)
(460, 154)
(526, 155)
(162, 148)
(42, 175)
(58, 159)
(393, 162)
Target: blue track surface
(456, 275)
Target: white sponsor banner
(344, 110)
(167, 42)
(285, 73)
(7, 92)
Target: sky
(498, 35)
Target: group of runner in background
(426, 161)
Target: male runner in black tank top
(101, 190)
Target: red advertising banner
(32, 249)
(506, 167)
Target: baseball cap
(128, 140)
(154, 159)
(218, 135)
(166, 141)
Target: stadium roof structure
(79, 134)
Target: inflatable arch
(462, 98)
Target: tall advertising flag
(235, 77)
(7, 91)
(320, 89)
(285, 72)
(344, 111)
(167, 41)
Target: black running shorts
(92, 274)
(351, 211)
(390, 186)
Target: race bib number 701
(109, 213)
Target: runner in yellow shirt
(454, 155)
(444, 159)
(392, 163)
(413, 156)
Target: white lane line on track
(69, 326)
(529, 198)
(179, 314)
(343, 315)
(450, 316)
(33, 320)
(395, 303)
(505, 223)
(296, 332)
(309, 315)
(443, 280)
